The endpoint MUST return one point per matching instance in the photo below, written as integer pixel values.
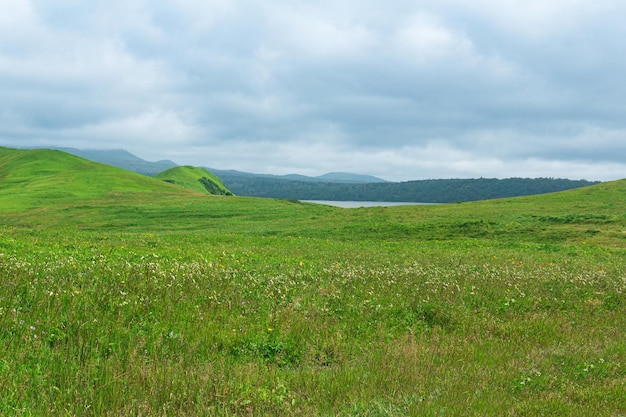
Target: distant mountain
(122, 159)
(194, 178)
(332, 177)
(347, 177)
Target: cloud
(427, 42)
(410, 89)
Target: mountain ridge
(121, 158)
(333, 177)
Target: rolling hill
(193, 178)
(126, 160)
(74, 191)
(45, 178)
(345, 186)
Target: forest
(421, 191)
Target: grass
(194, 178)
(33, 179)
(160, 303)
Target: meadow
(190, 305)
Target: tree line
(422, 191)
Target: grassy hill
(197, 179)
(74, 191)
(125, 295)
(40, 178)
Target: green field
(123, 295)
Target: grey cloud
(348, 83)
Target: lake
(359, 204)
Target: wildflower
(270, 330)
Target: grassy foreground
(165, 304)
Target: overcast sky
(399, 89)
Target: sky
(399, 89)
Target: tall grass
(115, 323)
(124, 295)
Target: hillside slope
(43, 178)
(45, 188)
(194, 178)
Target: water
(358, 204)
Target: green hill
(74, 191)
(79, 193)
(45, 178)
(193, 178)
